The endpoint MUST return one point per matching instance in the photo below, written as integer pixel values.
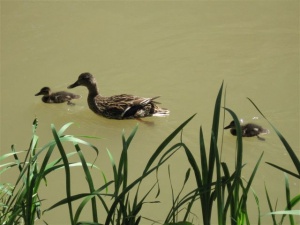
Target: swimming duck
(122, 106)
(248, 130)
(56, 97)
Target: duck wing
(63, 96)
(125, 106)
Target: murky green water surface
(181, 51)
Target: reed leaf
(284, 170)
(270, 206)
(7, 155)
(163, 145)
(67, 172)
(118, 199)
(238, 168)
(203, 157)
(258, 206)
(288, 200)
(288, 148)
(89, 180)
(283, 212)
(218, 186)
(80, 196)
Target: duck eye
(84, 76)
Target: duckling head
(44, 91)
(231, 125)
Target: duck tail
(155, 102)
(161, 112)
(265, 131)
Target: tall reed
(22, 204)
(217, 189)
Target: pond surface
(181, 51)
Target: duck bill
(76, 84)
(227, 127)
(38, 94)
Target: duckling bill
(248, 130)
(56, 97)
(123, 106)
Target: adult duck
(248, 130)
(56, 97)
(122, 106)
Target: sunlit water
(181, 51)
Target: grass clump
(217, 189)
(21, 203)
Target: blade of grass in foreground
(284, 170)
(67, 171)
(89, 179)
(270, 206)
(234, 192)
(283, 140)
(288, 198)
(118, 199)
(162, 146)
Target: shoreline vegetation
(217, 189)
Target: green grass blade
(218, 187)
(238, 168)
(215, 131)
(162, 146)
(64, 128)
(295, 201)
(115, 172)
(206, 200)
(253, 174)
(89, 179)
(81, 207)
(288, 199)
(203, 157)
(270, 206)
(230, 191)
(79, 196)
(246, 190)
(284, 170)
(290, 151)
(258, 206)
(67, 171)
(194, 166)
(172, 193)
(290, 212)
(119, 198)
(7, 155)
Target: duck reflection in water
(248, 130)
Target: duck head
(231, 125)
(44, 91)
(84, 79)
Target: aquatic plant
(217, 189)
(20, 203)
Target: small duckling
(248, 130)
(56, 97)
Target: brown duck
(122, 106)
(248, 130)
(56, 97)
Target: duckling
(123, 106)
(248, 130)
(56, 97)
